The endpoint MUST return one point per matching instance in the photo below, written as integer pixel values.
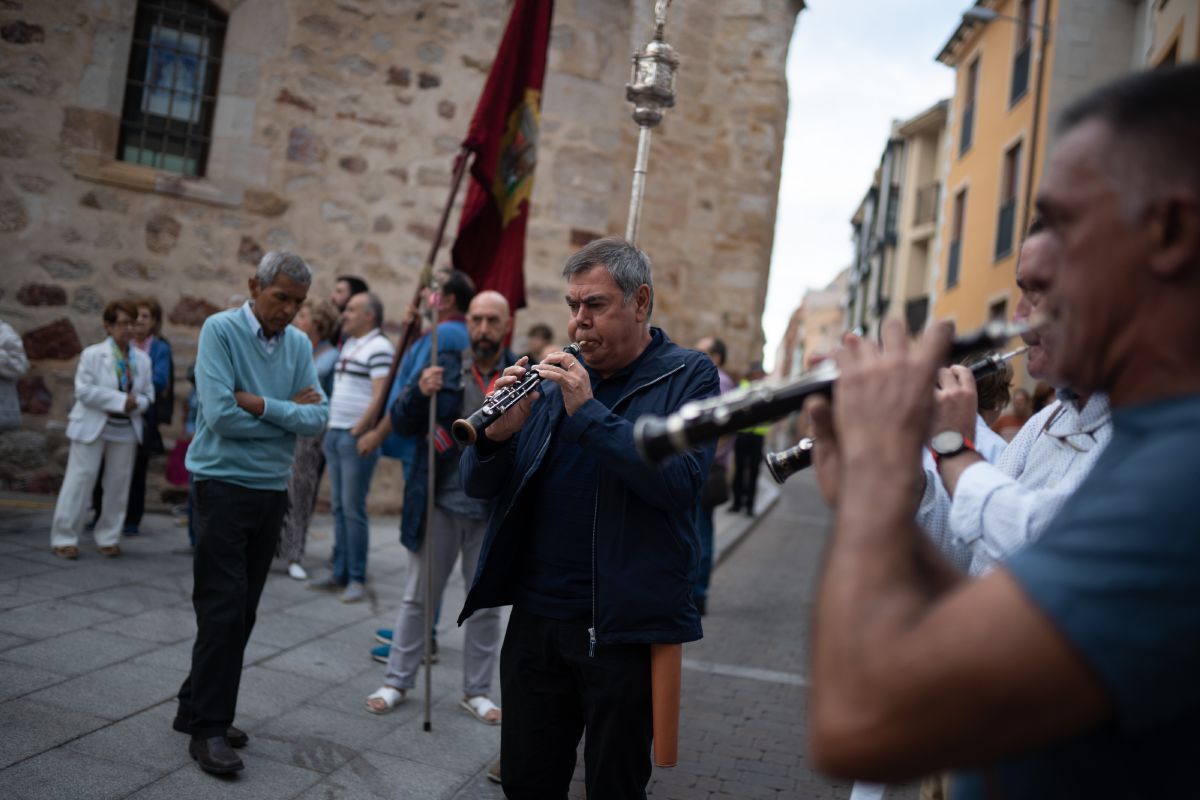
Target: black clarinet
(658, 438)
(466, 431)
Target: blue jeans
(349, 480)
(704, 528)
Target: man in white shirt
(359, 381)
(990, 510)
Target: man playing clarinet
(595, 550)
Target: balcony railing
(953, 263)
(1004, 228)
(1020, 74)
(968, 129)
(925, 207)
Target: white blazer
(97, 395)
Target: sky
(853, 67)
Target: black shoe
(749, 512)
(735, 508)
(214, 755)
(236, 737)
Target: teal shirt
(234, 445)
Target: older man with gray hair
(257, 391)
(359, 386)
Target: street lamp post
(651, 89)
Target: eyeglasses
(1079, 441)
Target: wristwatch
(949, 443)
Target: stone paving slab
(92, 652)
(75, 775)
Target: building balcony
(925, 206)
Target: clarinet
(466, 431)
(784, 463)
(658, 438)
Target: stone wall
(336, 125)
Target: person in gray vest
(458, 523)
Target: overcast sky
(853, 67)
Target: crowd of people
(1010, 595)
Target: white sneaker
(297, 572)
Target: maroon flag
(490, 246)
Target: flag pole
(651, 89)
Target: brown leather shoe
(69, 551)
(214, 755)
(112, 551)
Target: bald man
(461, 381)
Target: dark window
(916, 311)
(893, 208)
(956, 235)
(171, 88)
(968, 116)
(1022, 50)
(1010, 179)
(998, 311)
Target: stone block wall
(335, 129)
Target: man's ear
(642, 298)
(253, 284)
(1175, 235)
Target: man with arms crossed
(595, 550)
(1069, 671)
(258, 391)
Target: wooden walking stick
(652, 90)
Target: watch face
(947, 442)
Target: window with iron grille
(171, 87)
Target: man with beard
(461, 381)
(1070, 669)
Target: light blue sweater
(236, 446)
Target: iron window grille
(171, 87)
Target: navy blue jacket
(410, 417)
(645, 547)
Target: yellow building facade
(1017, 64)
(994, 147)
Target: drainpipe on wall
(1037, 116)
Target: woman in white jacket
(113, 389)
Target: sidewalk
(92, 652)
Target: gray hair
(628, 266)
(375, 306)
(279, 261)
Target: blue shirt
(231, 444)
(452, 336)
(1118, 575)
(556, 577)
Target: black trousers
(553, 691)
(747, 457)
(236, 532)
